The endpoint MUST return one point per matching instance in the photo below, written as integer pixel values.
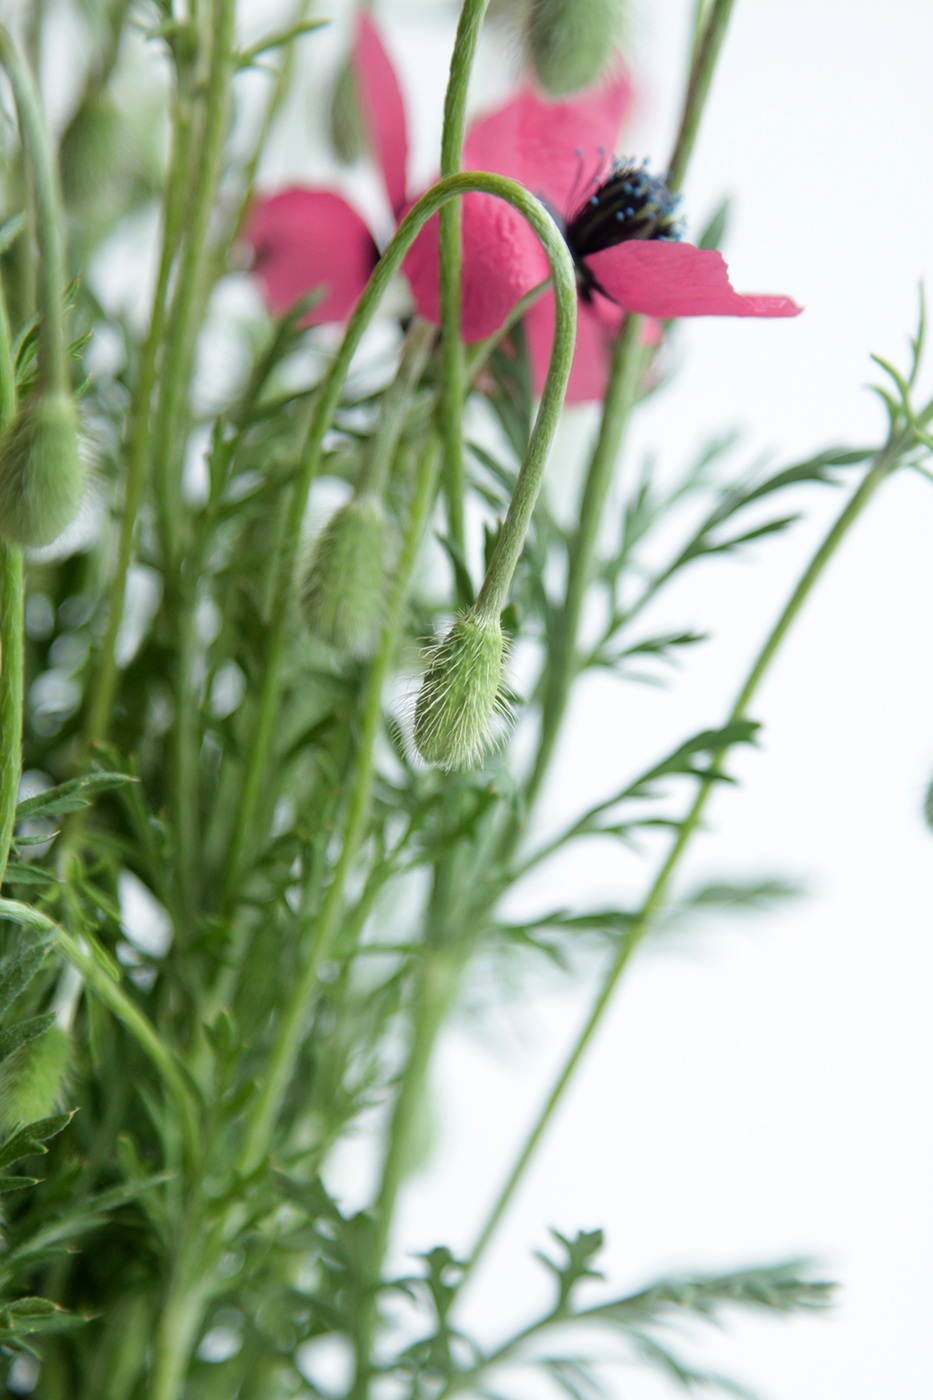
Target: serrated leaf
(30, 1140)
(22, 1033)
(69, 797)
(16, 1183)
(19, 967)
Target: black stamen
(629, 203)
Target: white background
(766, 1093)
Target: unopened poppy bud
(41, 479)
(462, 699)
(572, 43)
(344, 592)
(32, 1079)
(347, 130)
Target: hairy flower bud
(462, 695)
(40, 471)
(347, 130)
(572, 42)
(32, 1078)
(344, 592)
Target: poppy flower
(619, 222)
(305, 239)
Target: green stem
(565, 294)
(11, 627)
(705, 57)
(643, 922)
(436, 983)
(109, 991)
(625, 374)
(179, 1320)
(54, 369)
(190, 291)
(293, 1020)
(450, 402)
(104, 679)
(11, 692)
(393, 410)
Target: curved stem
(643, 922)
(326, 402)
(450, 401)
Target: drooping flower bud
(462, 697)
(572, 43)
(347, 130)
(344, 592)
(32, 1079)
(41, 478)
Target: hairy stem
(450, 401)
(705, 57)
(11, 627)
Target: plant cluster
(259, 803)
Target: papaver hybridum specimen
(619, 221)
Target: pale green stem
(328, 397)
(11, 628)
(54, 371)
(705, 57)
(292, 1023)
(643, 923)
(450, 402)
(104, 678)
(188, 298)
(622, 390)
(126, 1011)
(393, 410)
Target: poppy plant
(619, 222)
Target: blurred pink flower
(619, 222)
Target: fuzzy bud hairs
(462, 699)
(572, 43)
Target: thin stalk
(705, 56)
(450, 401)
(293, 1020)
(326, 403)
(435, 986)
(625, 373)
(189, 295)
(11, 627)
(54, 367)
(104, 678)
(393, 410)
(643, 922)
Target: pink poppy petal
(536, 142)
(383, 108)
(675, 279)
(502, 260)
(303, 240)
(598, 323)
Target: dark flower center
(629, 203)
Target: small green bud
(344, 592)
(462, 696)
(572, 42)
(40, 471)
(347, 129)
(32, 1079)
